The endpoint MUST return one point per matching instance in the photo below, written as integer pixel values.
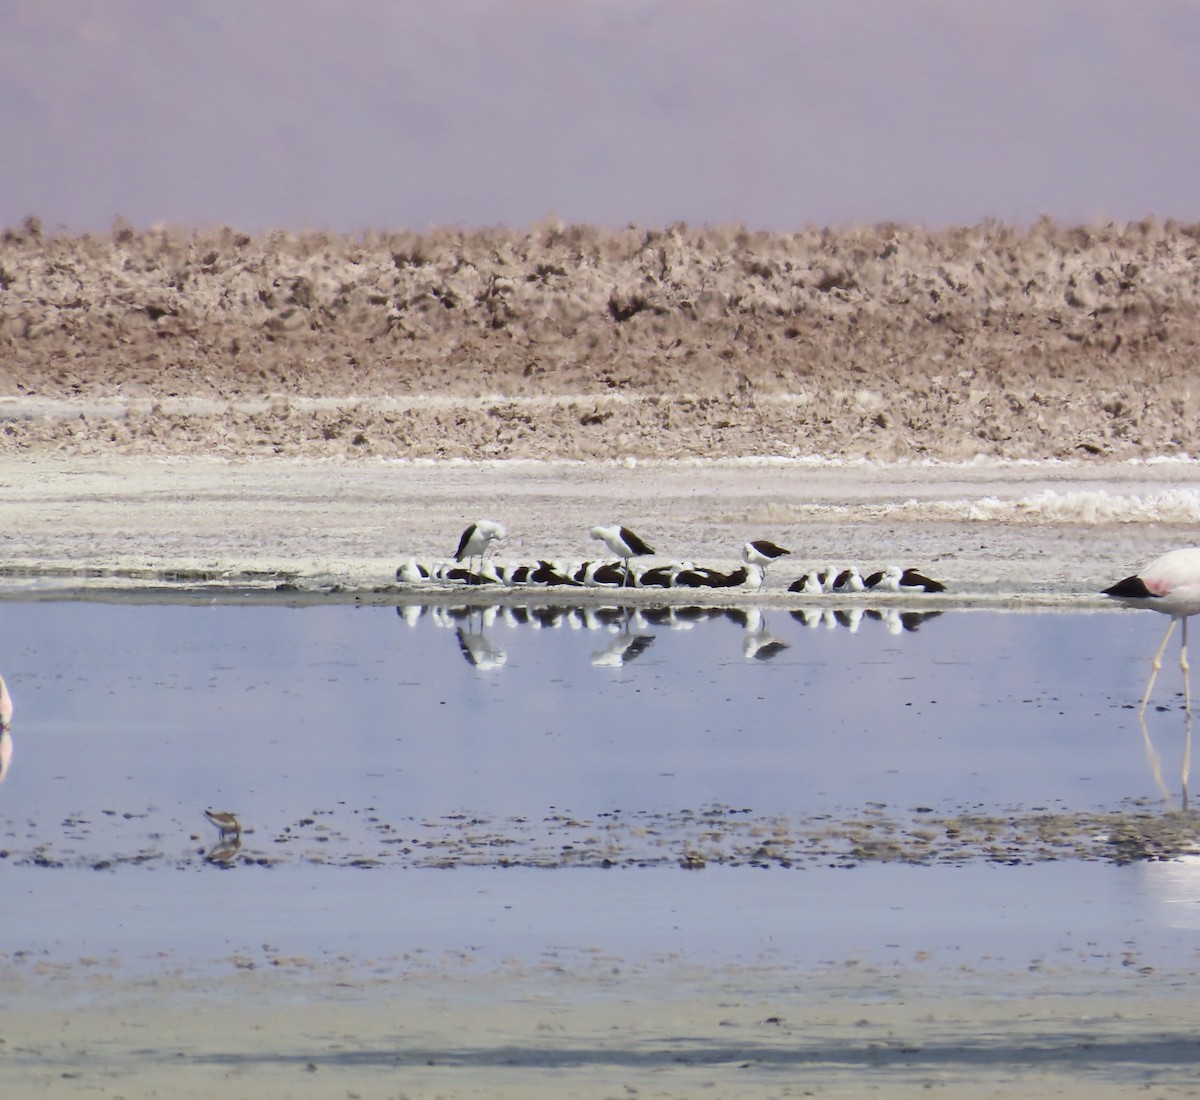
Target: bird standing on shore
(624, 543)
(1169, 584)
(762, 552)
(476, 539)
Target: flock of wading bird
(618, 572)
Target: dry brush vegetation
(885, 342)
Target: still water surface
(132, 718)
(271, 709)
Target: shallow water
(405, 739)
(274, 710)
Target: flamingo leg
(1187, 695)
(1183, 664)
(1155, 667)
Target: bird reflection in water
(478, 650)
(894, 621)
(636, 627)
(758, 643)
(6, 743)
(629, 644)
(1155, 761)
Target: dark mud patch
(690, 839)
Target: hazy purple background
(378, 113)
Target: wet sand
(302, 1031)
(218, 413)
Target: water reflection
(6, 715)
(132, 714)
(6, 705)
(758, 643)
(478, 650)
(635, 626)
(1155, 760)
(624, 648)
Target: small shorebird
(226, 823)
(1169, 584)
(624, 543)
(476, 539)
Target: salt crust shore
(1020, 534)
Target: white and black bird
(809, 585)
(849, 580)
(744, 576)
(413, 572)
(762, 552)
(552, 572)
(659, 576)
(697, 576)
(604, 574)
(623, 543)
(895, 579)
(476, 539)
